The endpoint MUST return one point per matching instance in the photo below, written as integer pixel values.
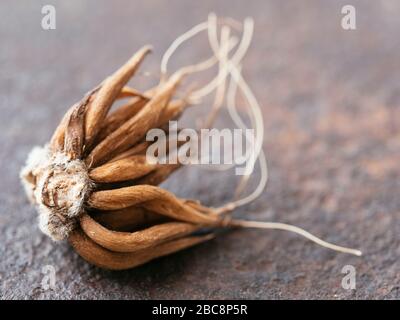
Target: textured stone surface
(331, 106)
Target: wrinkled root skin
(75, 176)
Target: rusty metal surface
(331, 104)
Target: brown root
(128, 219)
(135, 129)
(109, 91)
(104, 258)
(129, 168)
(134, 241)
(152, 198)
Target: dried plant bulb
(91, 184)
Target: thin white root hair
(179, 41)
(187, 36)
(207, 64)
(294, 229)
(222, 77)
(231, 67)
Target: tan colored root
(58, 139)
(128, 92)
(73, 143)
(159, 175)
(133, 165)
(152, 198)
(109, 91)
(171, 112)
(121, 170)
(104, 258)
(195, 204)
(128, 219)
(138, 149)
(135, 129)
(134, 241)
(116, 118)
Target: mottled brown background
(331, 105)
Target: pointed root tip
(358, 253)
(208, 237)
(147, 48)
(249, 20)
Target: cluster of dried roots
(93, 185)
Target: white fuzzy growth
(58, 187)
(37, 158)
